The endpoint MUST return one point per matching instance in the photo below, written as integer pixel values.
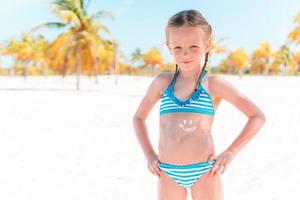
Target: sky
(141, 23)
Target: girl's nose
(185, 53)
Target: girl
(189, 99)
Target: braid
(206, 60)
(203, 68)
(176, 74)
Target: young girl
(189, 100)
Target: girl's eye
(194, 47)
(177, 49)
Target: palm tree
(153, 58)
(235, 61)
(3, 52)
(260, 59)
(285, 58)
(28, 51)
(116, 59)
(216, 47)
(297, 60)
(294, 36)
(2, 49)
(79, 46)
(136, 56)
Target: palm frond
(101, 14)
(67, 5)
(86, 5)
(48, 25)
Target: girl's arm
(152, 95)
(256, 118)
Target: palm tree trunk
(78, 62)
(116, 62)
(46, 69)
(25, 70)
(95, 67)
(12, 71)
(66, 59)
(285, 69)
(267, 68)
(230, 70)
(240, 73)
(266, 72)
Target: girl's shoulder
(164, 79)
(166, 76)
(216, 79)
(220, 86)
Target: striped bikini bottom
(186, 175)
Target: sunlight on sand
(57, 143)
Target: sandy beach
(58, 143)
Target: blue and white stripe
(203, 105)
(186, 175)
(199, 102)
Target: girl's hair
(190, 18)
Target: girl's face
(187, 45)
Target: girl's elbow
(134, 119)
(137, 118)
(261, 117)
(264, 118)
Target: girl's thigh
(168, 189)
(208, 188)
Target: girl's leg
(168, 189)
(208, 188)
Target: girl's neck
(191, 75)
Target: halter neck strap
(198, 83)
(200, 80)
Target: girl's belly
(183, 147)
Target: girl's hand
(222, 162)
(153, 165)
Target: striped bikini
(200, 102)
(186, 175)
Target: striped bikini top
(199, 102)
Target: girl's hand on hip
(222, 162)
(153, 165)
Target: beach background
(73, 72)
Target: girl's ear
(167, 44)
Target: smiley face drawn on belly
(185, 127)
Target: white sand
(60, 144)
